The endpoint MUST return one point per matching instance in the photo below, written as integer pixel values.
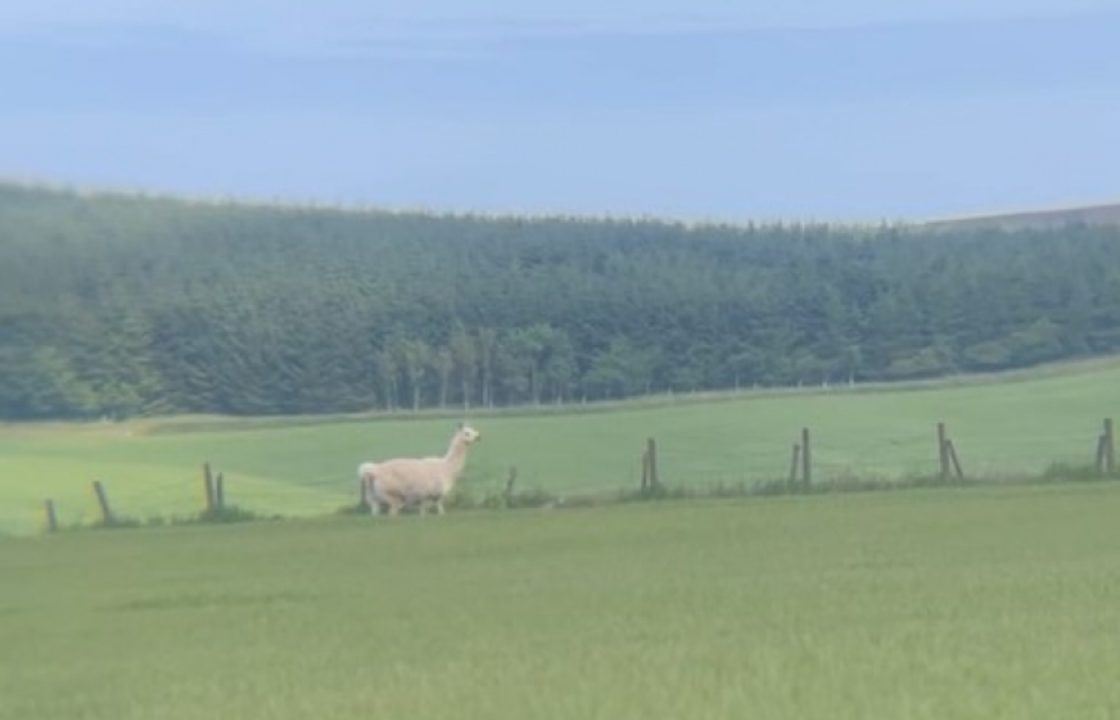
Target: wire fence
(836, 455)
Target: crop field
(994, 602)
(1002, 427)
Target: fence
(812, 459)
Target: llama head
(468, 434)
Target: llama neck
(456, 457)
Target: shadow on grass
(1055, 473)
(214, 516)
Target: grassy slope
(982, 603)
(1006, 426)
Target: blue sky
(862, 110)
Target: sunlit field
(941, 603)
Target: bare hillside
(1039, 219)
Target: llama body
(416, 481)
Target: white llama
(416, 481)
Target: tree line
(118, 305)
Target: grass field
(979, 603)
(1002, 426)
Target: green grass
(995, 602)
(1002, 426)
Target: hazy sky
(857, 110)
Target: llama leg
(371, 496)
(421, 506)
(439, 507)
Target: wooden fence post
(510, 480)
(103, 500)
(806, 461)
(220, 492)
(951, 451)
(1109, 447)
(645, 470)
(942, 452)
(793, 461)
(651, 450)
(52, 518)
(208, 483)
(363, 495)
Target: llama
(416, 481)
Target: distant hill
(1098, 215)
(119, 305)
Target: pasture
(1003, 426)
(982, 603)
